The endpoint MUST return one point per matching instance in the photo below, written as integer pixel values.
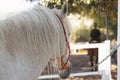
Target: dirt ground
(81, 63)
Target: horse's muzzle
(65, 73)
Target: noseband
(64, 64)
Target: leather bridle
(64, 64)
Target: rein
(64, 64)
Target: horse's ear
(64, 9)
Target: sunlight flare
(11, 5)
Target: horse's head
(63, 63)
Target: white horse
(29, 39)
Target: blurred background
(84, 13)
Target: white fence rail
(104, 69)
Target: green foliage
(80, 35)
(113, 27)
(83, 34)
(96, 9)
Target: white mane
(27, 41)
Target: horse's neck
(25, 63)
(20, 68)
(26, 48)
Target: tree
(97, 9)
(104, 12)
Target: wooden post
(118, 42)
(105, 67)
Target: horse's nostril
(65, 73)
